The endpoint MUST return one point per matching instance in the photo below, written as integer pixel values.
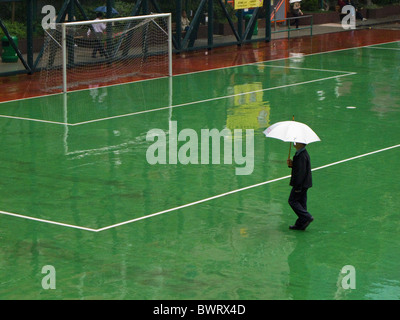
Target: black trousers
(98, 45)
(296, 21)
(298, 202)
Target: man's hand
(289, 163)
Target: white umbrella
(293, 1)
(291, 131)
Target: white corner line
(35, 120)
(195, 202)
(239, 190)
(46, 221)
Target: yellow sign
(246, 4)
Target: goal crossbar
(143, 17)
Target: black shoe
(307, 224)
(295, 227)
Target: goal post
(106, 51)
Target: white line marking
(241, 189)
(398, 49)
(211, 99)
(308, 69)
(193, 203)
(281, 59)
(356, 157)
(345, 73)
(34, 97)
(86, 89)
(31, 119)
(194, 72)
(198, 201)
(46, 221)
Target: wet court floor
(79, 193)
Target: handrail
(301, 28)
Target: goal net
(106, 51)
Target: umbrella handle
(289, 161)
(290, 145)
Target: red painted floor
(25, 86)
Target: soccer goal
(91, 53)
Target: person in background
(342, 3)
(185, 22)
(296, 12)
(97, 35)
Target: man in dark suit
(301, 181)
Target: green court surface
(78, 192)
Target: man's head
(99, 15)
(298, 145)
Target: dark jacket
(301, 171)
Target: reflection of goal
(76, 56)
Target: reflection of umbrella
(104, 10)
(291, 131)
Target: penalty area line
(241, 189)
(214, 99)
(193, 203)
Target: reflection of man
(300, 181)
(96, 95)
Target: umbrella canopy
(293, 1)
(291, 131)
(104, 10)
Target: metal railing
(289, 29)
